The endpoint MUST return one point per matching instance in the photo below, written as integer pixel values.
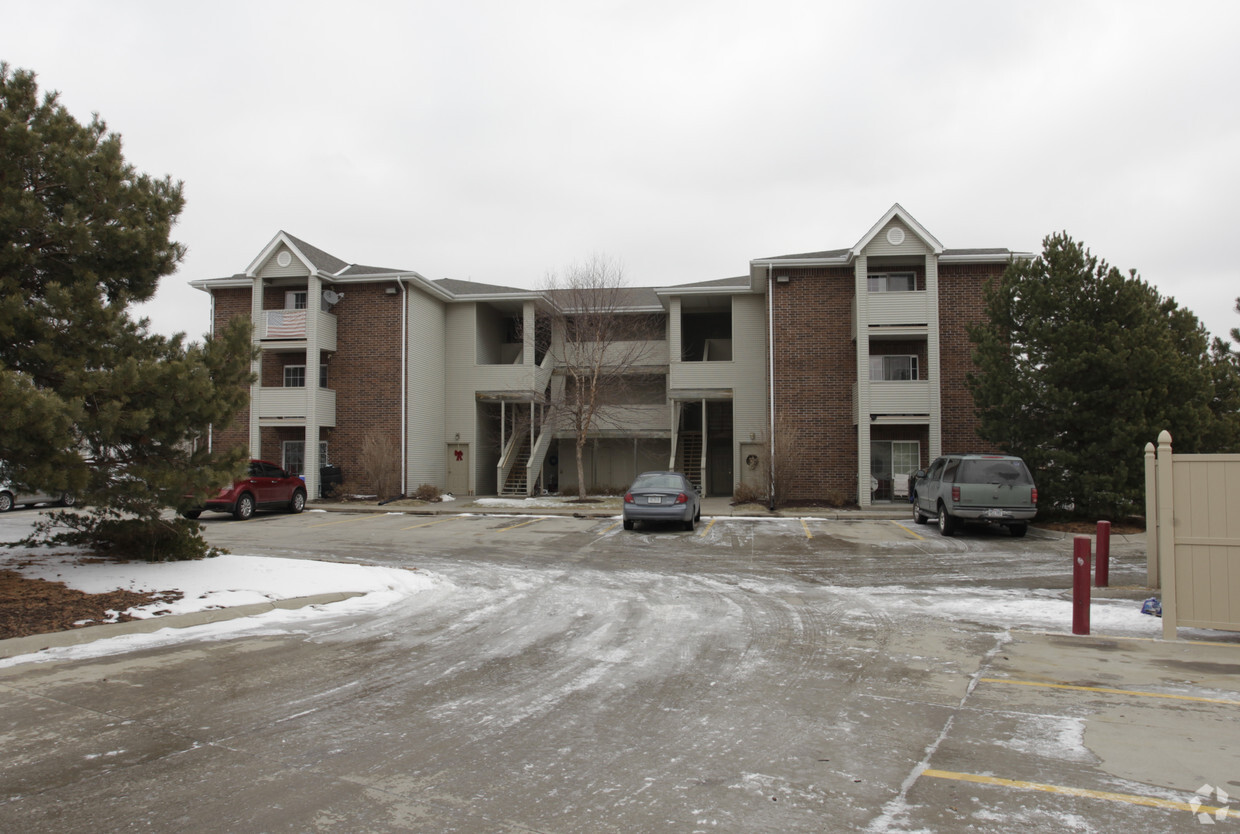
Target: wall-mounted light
(781, 279)
(458, 437)
(390, 290)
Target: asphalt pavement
(830, 674)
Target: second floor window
(295, 300)
(893, 368)
(893, 282)
(295, 376)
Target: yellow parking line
(609, 529)
(805, 527)
(1107, 691)
(1132, 799)
(910, 532)
(524, 523)
(365, 517)
(429, 523)
(708, 526)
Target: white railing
(291, 324)
(888, 308)
(288, 405)
(904, 397)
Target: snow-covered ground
(223, 582)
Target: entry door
(458, 468)
(753, 466)
(891, 461)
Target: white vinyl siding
(426, 391)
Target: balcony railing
(911, 397)
(287, 406)
(891, 308)
(291, 325)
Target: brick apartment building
(863, 348)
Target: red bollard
(1080, 585)
(1102, 576)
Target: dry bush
(838, 498)
(380, 464)
(788, 448)
(427, 492)
(745, 494)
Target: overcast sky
(498, 141)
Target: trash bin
(330, 477)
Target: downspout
(770, 328)
(404, 385)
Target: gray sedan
(662, 496)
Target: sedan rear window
(659, 482)
(993, 472)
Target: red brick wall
(815, 368)
(365, 374)
(231, 303)
(961, 302)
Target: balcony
(286, 329)
(287, 406)
(894, 309)
(897, 400)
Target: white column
(256, 366)
(934, 374)
(314, 304)
(862, 304)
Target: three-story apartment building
(854, 349)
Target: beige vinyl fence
(1193, 536)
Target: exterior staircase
(515, 482)
(689, 457)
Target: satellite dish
(332, 297)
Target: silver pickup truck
(991, 488)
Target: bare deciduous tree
(601, 338)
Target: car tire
(245, 507)
(918, 518)
(628, 525)
(6, 502)
(298, 502)
(947, 524)
(1018, 530)
(191, 514)
(689, 525)
(68, 500)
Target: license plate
(654, 499)
(996, 514)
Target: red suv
(266, 487)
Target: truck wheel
(947, 524)
(1018, 530)
(918, 518)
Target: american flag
(286, 324)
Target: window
(295, 376)
(295, 457)
(893, 368)
(295, 300)
(893, 282)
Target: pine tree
(1079, 366)
(92, 403)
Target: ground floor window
(891, 461)
(294, 456)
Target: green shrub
(148, 540)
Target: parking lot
(565, 675)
